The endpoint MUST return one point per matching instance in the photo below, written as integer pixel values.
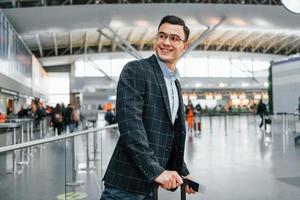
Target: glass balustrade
(67, 168)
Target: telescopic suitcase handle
(182, 189)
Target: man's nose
(167, 41)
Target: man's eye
(174, 38)
(161, 36)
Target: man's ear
(186, 46)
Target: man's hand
(169, 179)
(187, 188)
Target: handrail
(54, 138)
(286, 113)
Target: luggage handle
(182, 189)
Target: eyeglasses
(172, 37)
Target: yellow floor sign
(72, 196)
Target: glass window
(54, 99)
(261, 65)
(241, 68)
(96, 68)
(197, 67)
(79, 69)
(105, 66)
(92, 71)
(219, 67)
(5, 39)
(14, 57)
(187, 67)
(1, 35)
(181, 67)
(59, 83)
(118, 64)
(87, 69)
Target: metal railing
(24, 160)
(54, 138)
(289, 121)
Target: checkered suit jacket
(148, 142)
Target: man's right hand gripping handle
(169, 180)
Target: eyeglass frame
(166, 36)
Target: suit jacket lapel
(162, 83)
(180, 111)
(179, 93)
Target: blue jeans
(112, 193)
(71, 127)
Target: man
(68, 118)
(110, 117)
(151, 121)
(261, 111)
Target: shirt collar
(166, 71)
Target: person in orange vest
(190, 118)
(2, 117)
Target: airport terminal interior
(60, 62)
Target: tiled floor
(245, 163)
(236, 161)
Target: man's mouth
(164, 50)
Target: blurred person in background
(57, 119)
(23, 112)
(76, 117)
(68, 118)
(261, 111)
(110, 117)
(2, 117)
(190, 118)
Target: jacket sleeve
(184, 171)
(129, 110)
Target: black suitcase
(182, 188)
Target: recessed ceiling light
(238, 22)
(222, 84)
(142, 23)
(198, 85)
(117, 24)
(291, 5)
(261, 22)
(245, 84)
(266, 84)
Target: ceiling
(43, 3)
(59, 31)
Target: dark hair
(171, 19)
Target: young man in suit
(151, 121)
